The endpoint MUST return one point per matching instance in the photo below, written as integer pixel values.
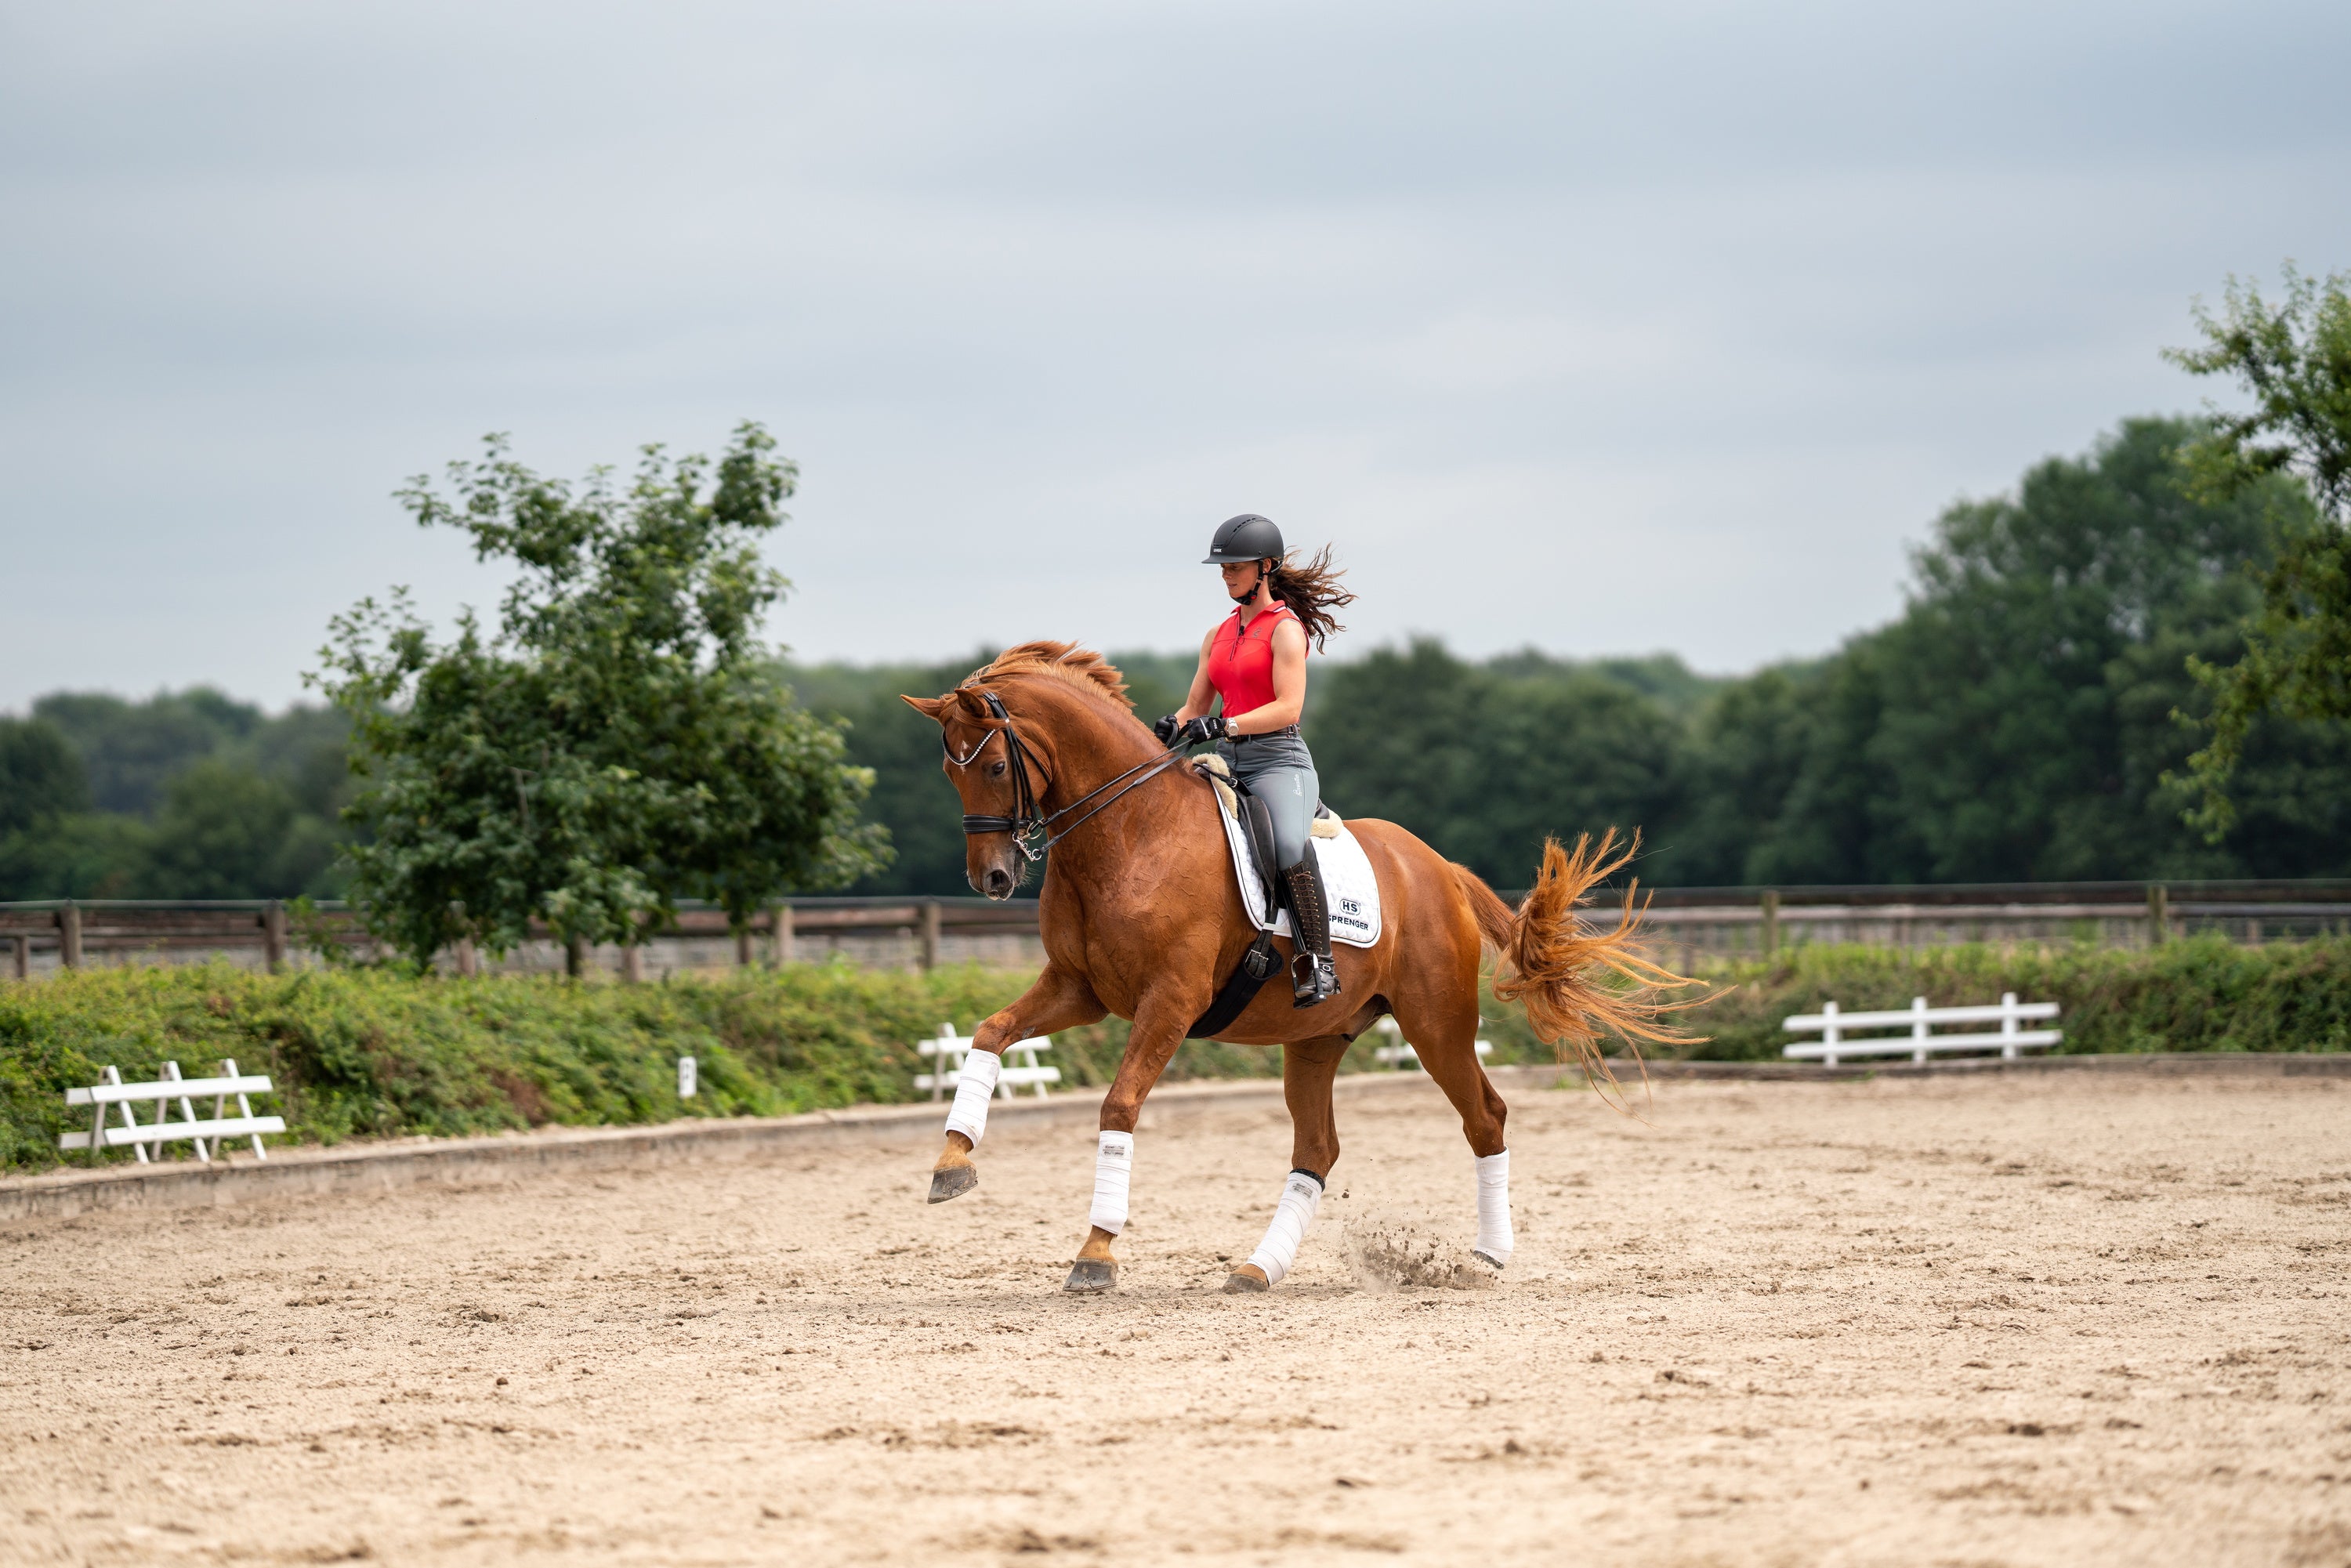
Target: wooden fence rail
(78, 931)
(1696, 921)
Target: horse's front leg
(1059, 1000)
(1159, 1026)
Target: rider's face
(1241, 577)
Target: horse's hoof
(1487, 1259)
(1248, 1280)
(1090, 1276)
(953, 1181)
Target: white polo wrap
(1114, 1167)
(1494, 1240)
(975, 1086)
(1302, 1195)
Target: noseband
(1032, 831)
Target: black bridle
(1032, 831)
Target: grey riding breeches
(1279, 770)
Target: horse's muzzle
(997, 884)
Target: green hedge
(2202, 994)
(369, 1053)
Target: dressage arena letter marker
(1302, 1195)
(1494, 1238)
(1113, 1168)
(686, 1079)
(975, 1086)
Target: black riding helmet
(1246, 538)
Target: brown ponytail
(1310, 588)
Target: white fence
(949, 1050)
(202, 1131)
(1920, 1041)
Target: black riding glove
(1165, 729)
(1206, 728)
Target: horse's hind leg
(1444, 1034)
(1307, 1069)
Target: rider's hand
(1165, 729)
(1208, 728)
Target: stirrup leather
(1313, 978)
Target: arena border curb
(378, 1167)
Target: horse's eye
(996, 771)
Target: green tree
(1482, 761)
(619, 742)
(911, 796)
(2014, 724)
(2294, 359)
(82, 854)
(222, 833)
(132, 749)
(41, 774)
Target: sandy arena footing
(2048, 1318)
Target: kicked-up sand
(2035, 1320)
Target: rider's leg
(1284, 779)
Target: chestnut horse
(1141, 917)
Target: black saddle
(1257, 822)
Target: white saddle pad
(1347, 880)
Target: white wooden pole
(1918, 1028)
(244, 1107)
(2008, 1026)
(187, 1108)
(131, 1121)
(97, 1123)
(1829, 1035)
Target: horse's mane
(1083, 668)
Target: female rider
(1255, 660)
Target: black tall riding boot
(1313, 976)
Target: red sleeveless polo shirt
(1240, 661)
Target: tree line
(182, 795)
(2015, 724)
(2135, 665)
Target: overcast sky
(1606, 331)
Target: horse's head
(1079, 709)
(981, 764)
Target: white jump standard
(1920, 1040)
(205, 1134)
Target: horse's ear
(929, 707)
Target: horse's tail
(1577, 986)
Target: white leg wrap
(1113, 1165)
(1494, 1240)
(1302, 1195)
(974, 1089)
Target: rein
(1033, 832)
